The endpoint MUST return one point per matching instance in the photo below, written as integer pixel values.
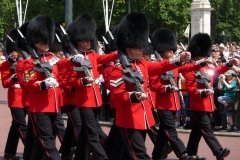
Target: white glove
(50, 82)
(78, 58)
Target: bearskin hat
(133, 31)
(200, 45)
(40, 29)
(111, 42)
(149, 49)
(20, 41)
(94, 44)
(82, 28)
(10, 46)
(164, 39)
(57, 44)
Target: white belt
(16, 86)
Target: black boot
(221, 154)
(168, 151)
(11, 157)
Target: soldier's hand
(209, 91)
(89, 80)
(174, 89)
(185, 57)
(233, 61)
(141, 96)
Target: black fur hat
(82, 28)
(111, 42)
(20, 41)
(164, 39)
(200, 45)
(10, 46)
(149, 49)
(40, 29)
(133, 31)
(57, 44)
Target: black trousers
(114, 142)
(59, 128)
(73, 129)
(89, 136)
(133, 144)
(202, 127)
(17, 130)
(30, 136)
(167, 133)
(45, 128)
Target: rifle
(45, 67)
(204, 78)
(5, 54)
(22, 52)
(133, 77)
(85, 65)
(169, 74)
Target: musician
(133, 109)
(199, 87)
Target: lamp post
(129, 6)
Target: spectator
(227, 83)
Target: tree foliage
(173, 14)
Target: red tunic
(89, 95)
(169, 101)
(14, 89)
(69, 97)
(198, 103)
(135, 115)
(25, 92)
(49, 100)
(106, 76)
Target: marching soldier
(10, 81)
(199, 85)
(167, 100)
(41, 79)
(81, 33)
(133, 109)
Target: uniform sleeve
(191, 85)
(220, 70)
(157, 68)
(6, 65)
(106, 75)
(19, 69)
(106, 58)
(156, 86)
(118, 89)
(6, 81)
(189, 67)
(73, 80)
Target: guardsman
(10, 81)
(41, 79)
(81, 33)
(199, 85)
(133, 109)
(167, 100)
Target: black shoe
(66, 157)
(185, 157)
(73, 150)
(168, 151)
(221, 154)
(230, 129)
(11, 157)
(202, 158)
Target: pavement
(226, 139)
